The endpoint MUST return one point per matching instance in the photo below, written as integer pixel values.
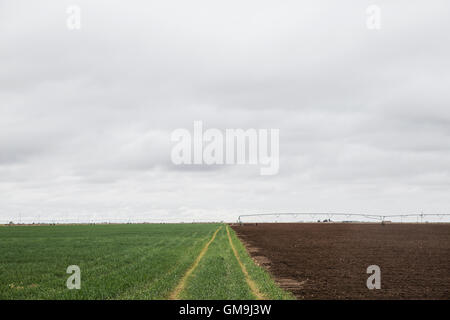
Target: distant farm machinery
(343, 217)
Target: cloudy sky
(86, 115)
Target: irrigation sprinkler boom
(380, 217)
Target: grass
(263, 280)
(144, 261)
(218, 276)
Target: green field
(147, 261)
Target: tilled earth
(330, 260)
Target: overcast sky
(86, 115)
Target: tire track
(250, 282)
(174, 295)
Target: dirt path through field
(250, 282)
(181, 285)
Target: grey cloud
(86, 116)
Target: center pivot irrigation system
(379, 217)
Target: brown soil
(329, 260)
